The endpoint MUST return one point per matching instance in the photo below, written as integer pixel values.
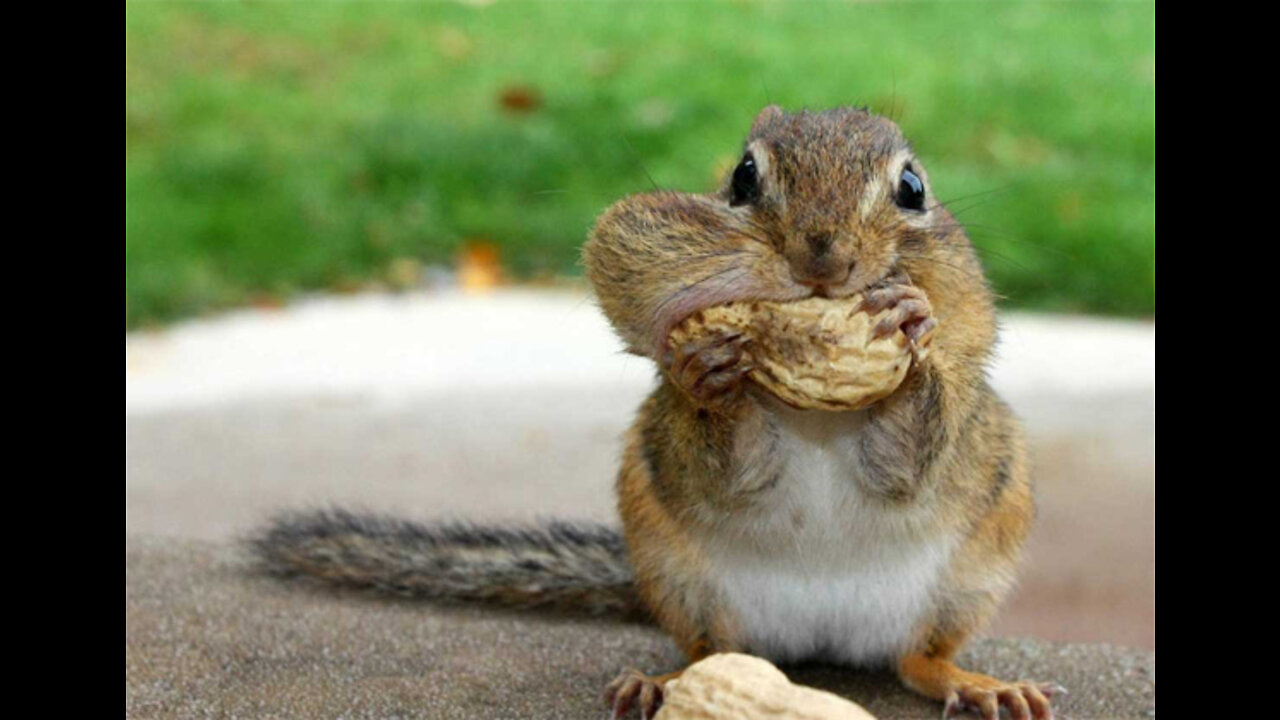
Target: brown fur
(942, 455)
(701, 449)
(569, 566)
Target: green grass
(273, 148)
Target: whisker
(957, 225)
(967, 271)
(727, 281)
(893, 95)
(1002, 235)
(993, 191)
(607, 198)
(1005, 237)
(957, 212)
(999, 256)
(671, 298)
(639, 163)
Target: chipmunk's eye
(910, 191)
(745, 186)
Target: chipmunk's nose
(816, 262)
(819, 243)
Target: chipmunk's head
(837, 194)
(827, 203)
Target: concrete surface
(510, 405)
(395, 348)
(205, 638)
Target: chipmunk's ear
(765, 118)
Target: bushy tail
(571, 566)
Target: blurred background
(278, 148)
(352, 235)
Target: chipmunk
(882, 536)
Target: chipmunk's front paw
(710, 369)
(1023, 700)
(632, 688)
(909, 310)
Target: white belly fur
(824, 572)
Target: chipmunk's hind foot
(963, 691)
(985, 695)
(633, 688)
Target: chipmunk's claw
(952, 706)
(711, 369)
(633, 688)
(908, 310)
(1023, 701)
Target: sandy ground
(511, 406)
